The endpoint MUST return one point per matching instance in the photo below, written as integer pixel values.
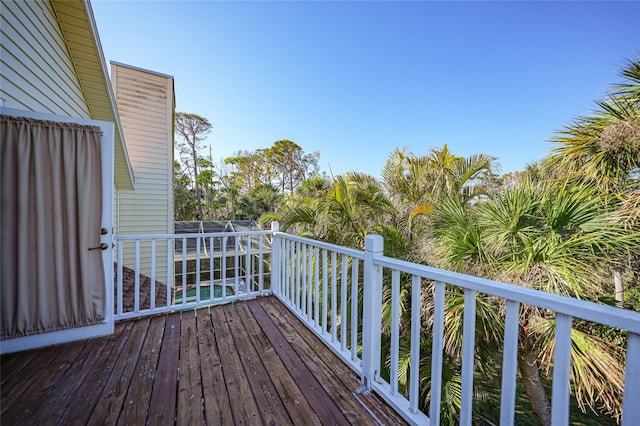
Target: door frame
(107, 326)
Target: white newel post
(372, 310)
(275, 258)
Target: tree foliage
(560, 225)
(191, 130)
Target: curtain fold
(50, 215)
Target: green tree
(184, 199)
(604, 150)
(604, 147)
(250, 169)
(551, 236)
(260, 201)
(416, 184)
(290, 164)
(191, 130)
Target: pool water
(205, 292)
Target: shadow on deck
(241, 363)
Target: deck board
(90, 390)
(336, 368)
(243, 363)
(189, 405)
(325, 407)
(271, 407)
(111, 401)
(162, 407)
(138, 395)
(296, 404)
(243, 405)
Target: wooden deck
(243, 363)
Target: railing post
(372, 310)
(275, 258)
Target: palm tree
(551, 236)
(604, 149)
(451, 174)
(417, 184)
(605, 146)
(344, 212)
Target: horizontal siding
(37, 71)
(145, 106)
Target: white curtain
(50, 211)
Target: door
(56, 220)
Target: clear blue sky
(354, 80)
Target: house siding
(145, 105)
(36, 69)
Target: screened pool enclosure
(225, 260)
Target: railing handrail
(587, 310)
(591, 311)
(131, 237)
(358, 254)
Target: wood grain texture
(244, 363)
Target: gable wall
(36, 70)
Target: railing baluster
(136, 296)
(153, 273)
(303, 279)
(223, 265)
(343, 304)
(285, 271)
(276, 278)
(198, 249)
(212, 292)
(510, 363)
(395, 330)
(297, 294)
(170, 278)
(325, 296)
(354, 308)
(416, 325)
(436, 353)
(284, 265)
(120, 272)
(631, 405)
(561, 371)
(294, 273)
(249, 271)
(184, 271)
(236, 263)
(309, 273)
(468, 354)
(260, 264)
(334, 296)
(316, 287)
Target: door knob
(102, 246)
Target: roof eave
(94, 78)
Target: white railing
(189, 270)
(325, 284)
(338, 293)
(322, 284)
